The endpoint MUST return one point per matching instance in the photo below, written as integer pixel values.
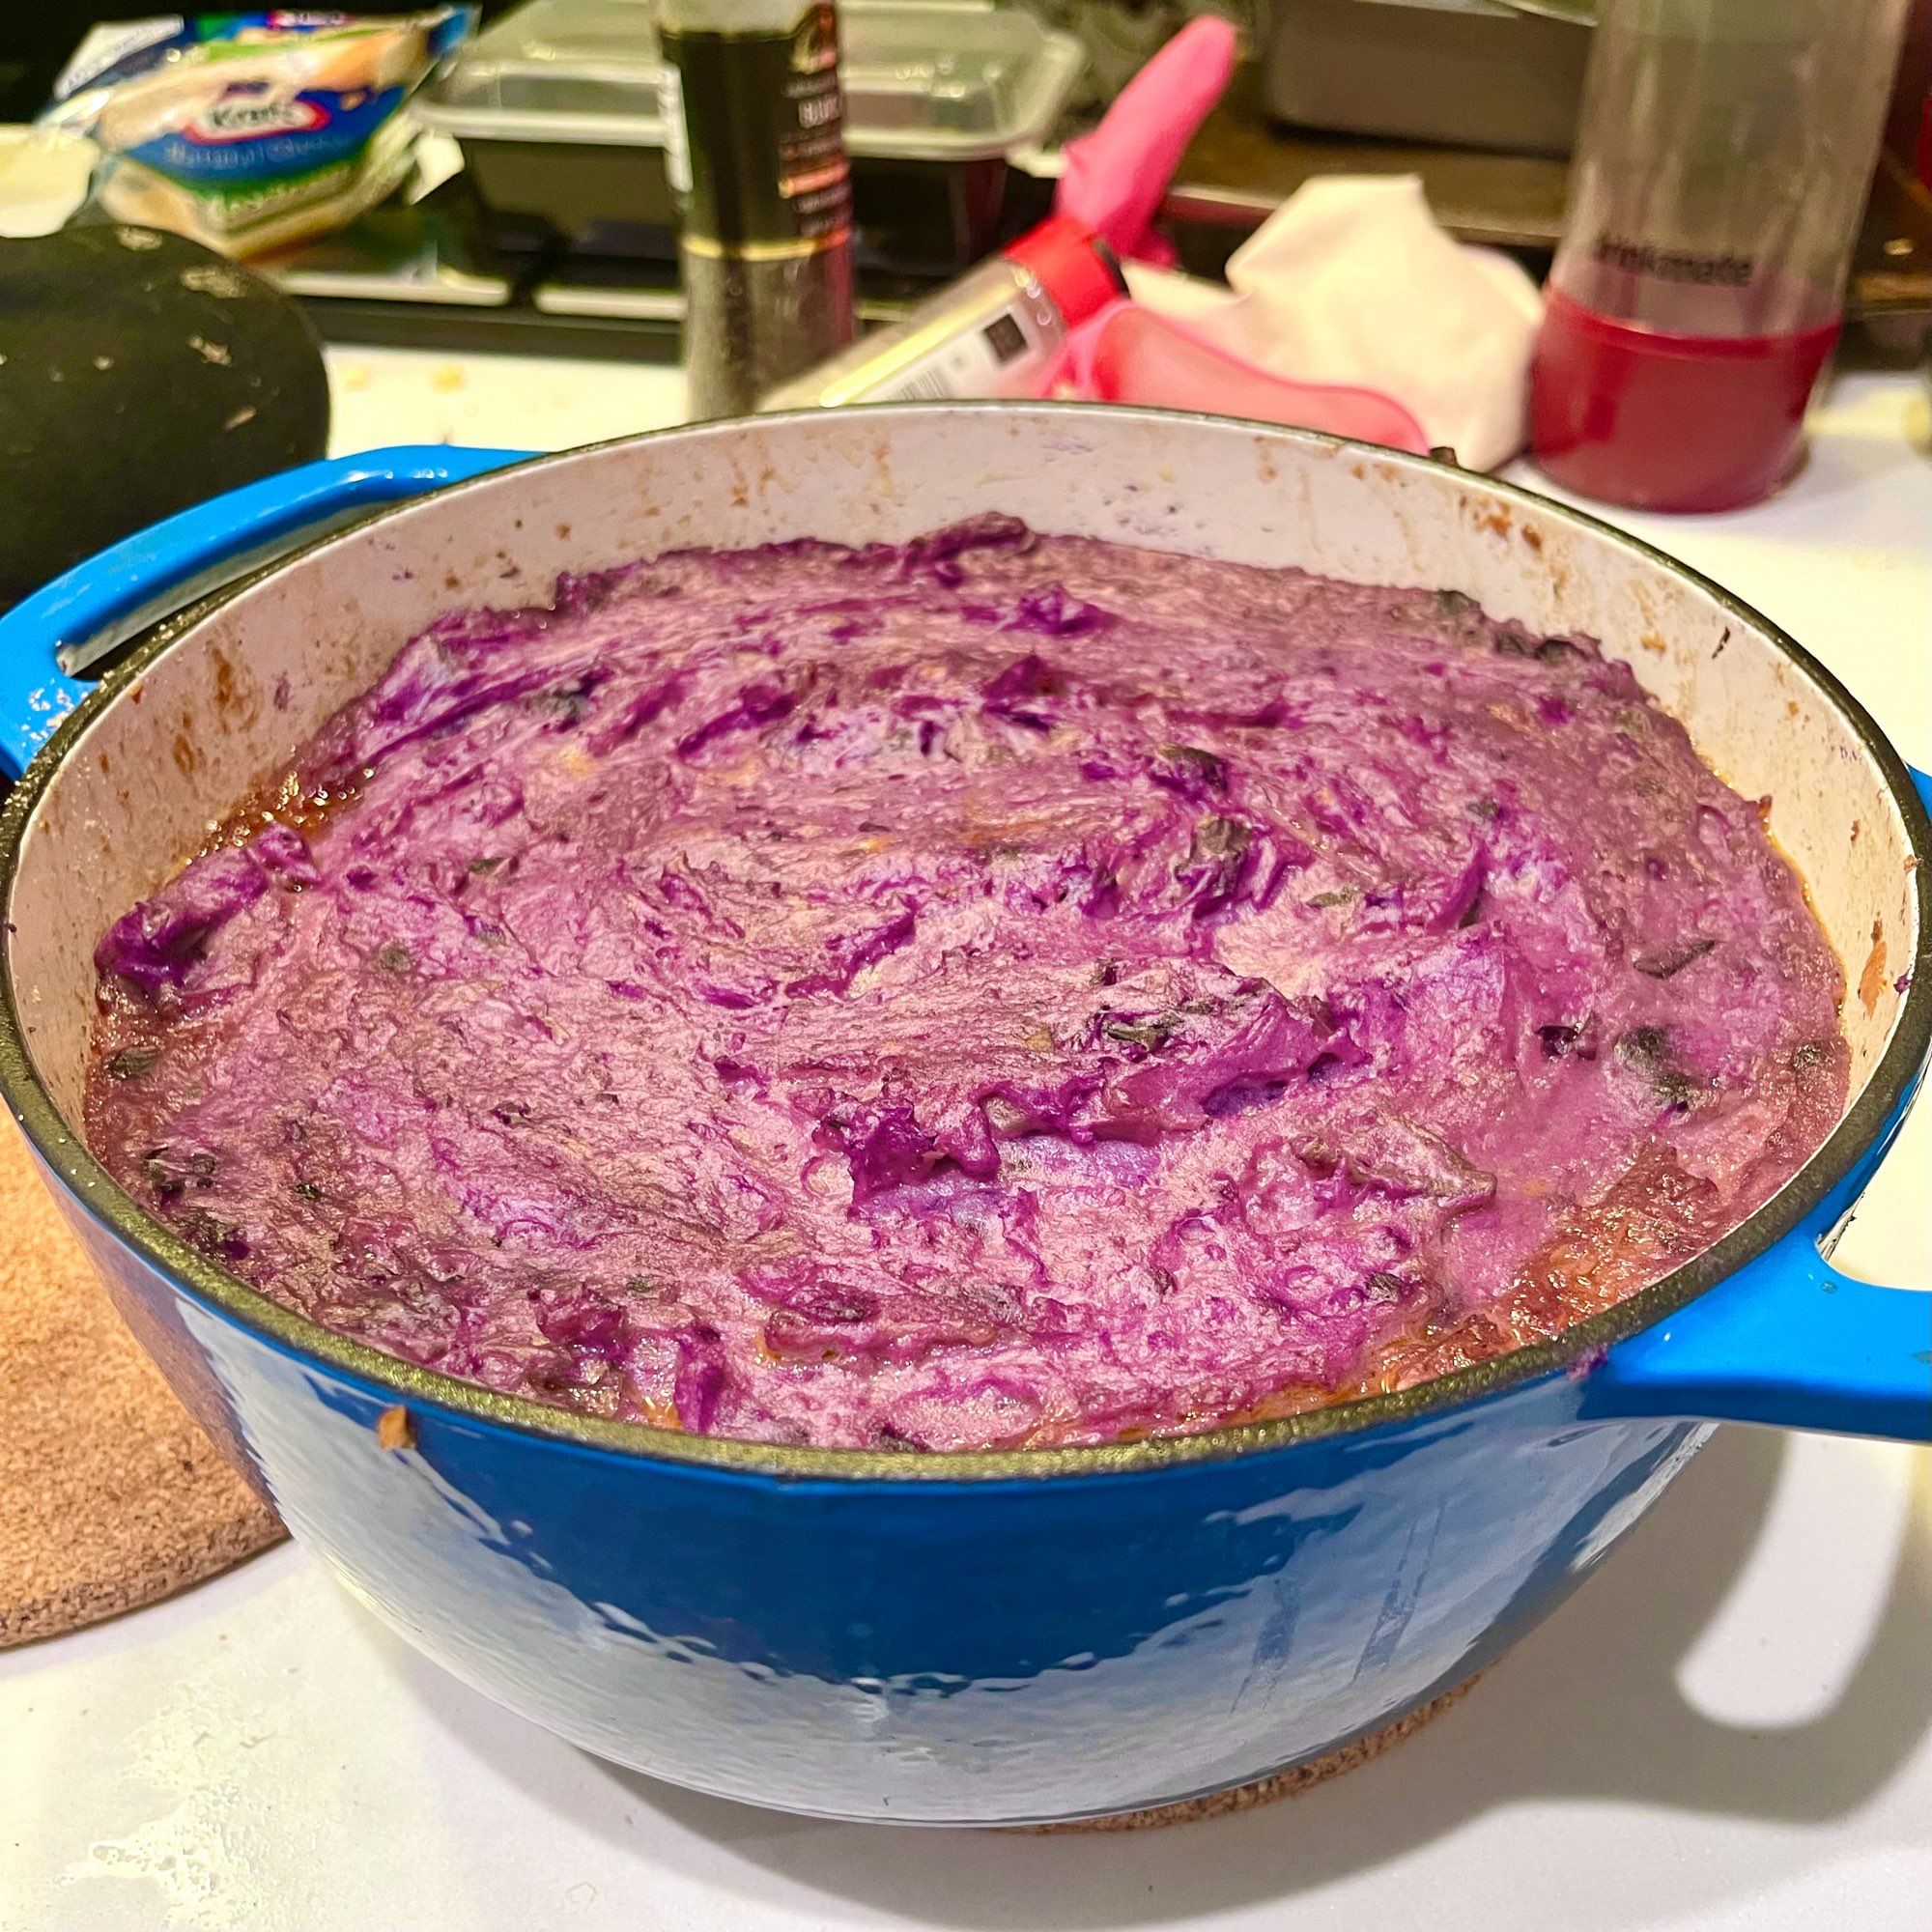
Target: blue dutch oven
(977, 1638)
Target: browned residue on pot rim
(1871, 981)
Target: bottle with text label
(999, 331)
(1722, 169)
(755, 148)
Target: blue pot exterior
(967, 1652)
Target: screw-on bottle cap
(1073, 265)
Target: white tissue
(1352, 281)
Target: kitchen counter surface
(1730, 1727)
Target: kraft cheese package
(250, 131)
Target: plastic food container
(1474, 73)
(556, 108)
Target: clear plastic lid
(940, 80)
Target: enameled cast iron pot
(981, 1639)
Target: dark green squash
(141, 373)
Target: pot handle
(186, 553)
(1787, 1340)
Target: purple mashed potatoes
(995, 990)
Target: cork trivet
(110, 1498)
(1289, 1783)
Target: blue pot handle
(35, 695)
(1788, 1339)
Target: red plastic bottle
(1722, 163)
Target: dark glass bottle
(754, 143)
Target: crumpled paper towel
(1352, 286)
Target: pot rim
(66, 1153)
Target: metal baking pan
(556, 108)
(1481, 74)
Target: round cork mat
(110, 1498)
(1289, 1783)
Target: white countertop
(1730, 1727)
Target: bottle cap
(1073, 265)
